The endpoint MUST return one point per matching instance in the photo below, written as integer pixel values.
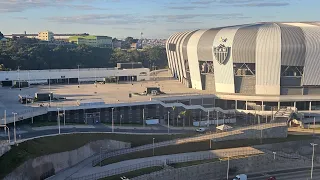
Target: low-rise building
(46, 36)
(95, 41)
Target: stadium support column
(262, 106)
(310, 105)
(236, 105)
(279, 105)
(246, 105)
(295, 105)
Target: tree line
(33, 55)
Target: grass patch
(133, 174)
(201, 146)
(55, 144)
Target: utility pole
(228, 167)
(5, 120)
(314, 125)
(313, 145)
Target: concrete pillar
(278, 105)
(262, 106)
(202, 101)
(310, 104)
(295, 105)
(236, 105)
(246, 105)
(214, 102)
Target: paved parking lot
(109, 93)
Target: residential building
(46, 36)
(95, 41)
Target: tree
(1, 35)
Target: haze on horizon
(155, 18)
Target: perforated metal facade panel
(268, 60)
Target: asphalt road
(32, 134)
(288, 175)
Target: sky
(155, 18)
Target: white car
(241, 177)
(201, 130)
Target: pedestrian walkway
(85, 168)
(62, 127)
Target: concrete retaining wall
(44, 166)
(4, 149)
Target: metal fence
(236, 131)
(118, 171)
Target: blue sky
(155, 18)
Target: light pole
(100, 155)
(78, 75)
(6, 127)
(153, 146)
(64, 117)
(313, 145)
(14, 127)
(5, 120)
(314, 125)
(143, 117)
(50, 99)
(208, 118)
(112, 123)
(228, 168)
(168, 122)
(58, 119)
(19, 76)
(274, 159)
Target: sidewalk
(61, 127)
(89, 170)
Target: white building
(66, 76)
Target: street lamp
(112, 120)
(50, 99)
(58, 119)
(168, 122)
(313, 145)
(153, 146)
(228, 167)
(100, 155)
(6, 127)
(274, 159)
(78, 75)
(14, 126)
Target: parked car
(201, 130)
(241, 177)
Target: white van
(241, 177)
(201, 130)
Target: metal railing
(236, 131)
(118, 171)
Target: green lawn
(133, 174)
(201, 146)
(55, 144)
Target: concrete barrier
(45, 166)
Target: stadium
(262, 65)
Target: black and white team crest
(222, 52)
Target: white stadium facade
(265, 66)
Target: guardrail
(121, 170)
(106, 155)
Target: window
(291, 71)
(172, 47)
